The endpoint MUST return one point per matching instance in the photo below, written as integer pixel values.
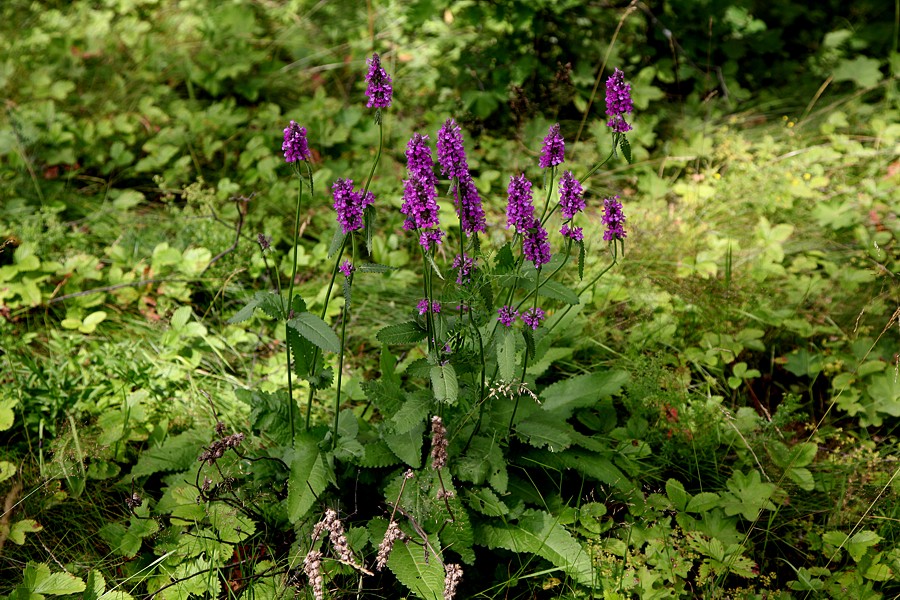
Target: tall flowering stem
(296, 150)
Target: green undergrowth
(714, 417)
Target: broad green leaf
(444, 383)
(557, 291)
(90, 322)
(407, 446)
(747, 495)
(860, 542)
(94, 587)
(702, 502)
(413, 412)
(626, 148)
(506, 353)
(401, 333)
(175, 454)
(485, 501)
(415, 566)
(677, 495)
(543, 430)
(865, 72)
(38, 579)
(20, 528)
(245, 313)
(564, 397)
(308, 479)
(7, 470)
(317, 331)
(7, 417)
(540, 533)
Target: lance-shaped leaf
(316, 330)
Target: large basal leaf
(309, 477)
(564, 397)
(419, 569)
(539, 533)
(175, 454)
(407, 446)
(401, 333)
(317, 331)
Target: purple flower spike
(347, 268)
(422, 306)
(295, 146)
(613, 219)
(465, 265)
(435, 306)
(507, 315)
(430, 237)
(349, 205)
(554, 150)
(451, 153)
(468, 205)
(535, 246)
(575, 233)
(618, 102)
(533, 317)
(571, 195)
(519, 210)
(378, 90)
(419, 204)
(419, 163)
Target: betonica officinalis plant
(437, 440)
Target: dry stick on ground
(8, 504)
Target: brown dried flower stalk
(452, 578)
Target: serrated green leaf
(677, 495)
(505, 261)
(337, 241)
(272, 304)
(174, 454)
(348, 296)
(413, 412)
(702, 502)
(407, 446)
(581, 257)
(434, 266)
(528, 334)
(415, 566)
(18, 530)
(94, 587)
(485, 501)
(378, 455)
(38, 580)
(747, 495)
(401, 333)
(860, 542)
(317, 331)
(625, 146)
(506, 353)
(562, 398)
(444, 383)
(539, 533)
(308, 479)
(245, 313)
(543, 430)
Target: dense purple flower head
(575, 233)
(295, 146)
(519, 210)
(419, 204)
(451, 153)
(507, 315)
(533, 317)
(535, 246)
(422, 306)
(378, 90)
(468, 205)
(613, 219)
(571, 195)
(430, 237)
(419, 163)
(554, 150)
(435, 306)
(349, 205)
(464, 264)
(618, 102)
(347, 268)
